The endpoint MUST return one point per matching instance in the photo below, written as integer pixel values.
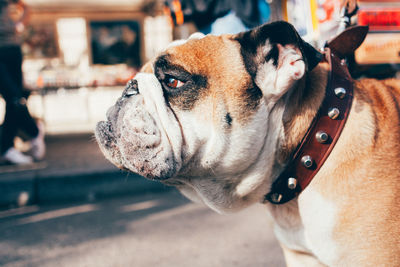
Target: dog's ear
(275, 56)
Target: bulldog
(220, 117)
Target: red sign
(380, 18)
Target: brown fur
(207, 54)
(362, 176)
(368, 196)
(360, 179)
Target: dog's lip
(104, 135)
(104, 128)
(107, 141)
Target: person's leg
(17, 115)
(9, 88)
(25, 122)
(9, 128)
(8, 152)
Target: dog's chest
(288, 227)
(320, 216)
(308, 226)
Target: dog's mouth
(108, 143)
(132, 140)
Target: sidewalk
(74, 169)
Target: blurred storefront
(78, 55)
(319, 20)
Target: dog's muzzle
(131, 138)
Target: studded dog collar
(328, 124)
(321, 136)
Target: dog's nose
(131, 89)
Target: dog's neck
(305, 100)
(320, 133)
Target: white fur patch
(228, 170)
(307, 225)
(319, 218)
(276, 81)
(194, 36)
(288, 226)
(151, 89)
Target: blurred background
(77, 57)
(79, 54)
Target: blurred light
(72, 39)
(157, 35)
(23, 198)
(139, 206)
(57, 214)
(18, 211)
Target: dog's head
(207, 114)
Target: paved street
(74, 169)
(159, 229)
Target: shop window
(115, 42)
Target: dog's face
(206, 115)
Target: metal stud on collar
(340, 92)
(307, 161)
(333, 113)
(292, 183)
(322, 137)
(276, 197)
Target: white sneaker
(38, 146)
(17, 157)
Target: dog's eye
(173, 83)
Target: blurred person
(126, 48)
(220, 16)
(234, 16)
(17, 117)
(115, 45)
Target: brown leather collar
(321, 137)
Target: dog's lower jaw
(227, 193)
(107, 143)
(231, 193)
